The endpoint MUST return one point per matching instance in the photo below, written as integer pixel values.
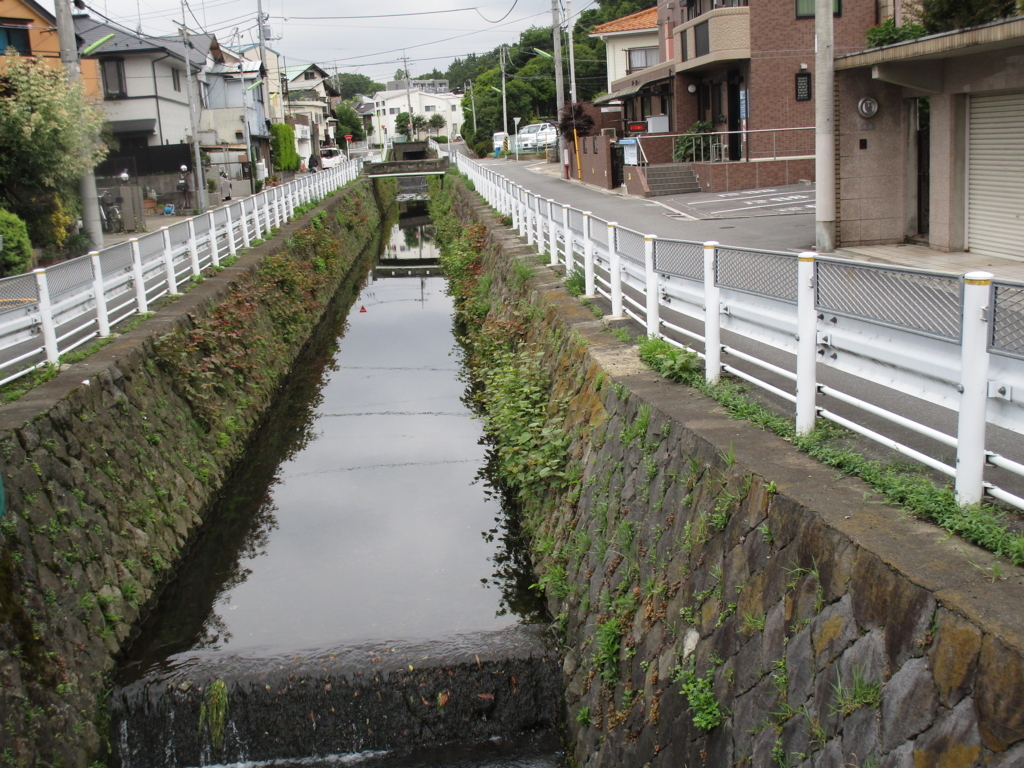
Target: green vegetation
(888, 33)
(862, 694)
(17, 253)
(700, 695)
(901, 483)
(576, 282)
(282, 147)
(213, 713)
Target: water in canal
(358, 515)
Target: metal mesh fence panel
(179, 234)
(676, 257)
(64, 278)
(923, 303)
(599, 231)
(151, 246)
(576, 220)
(757, 272)
(220, 216)
(1008, 320)
(115, 258)
(630, 244)
(201, 224)
(18, 291)
(531, 202)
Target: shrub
(944, 15)
(441, 139)
(282, 146)
(888, 33)
(483, 148)
(17, 253)
(689, 148)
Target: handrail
(709, 144)
(919, 332)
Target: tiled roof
(641, 20)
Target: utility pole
(556, 32)
(196, 157)
(87, 184)
(504, 102)
(472, 101)
(263, 39)
(571, 24)
(245, 124)
(408, 90)
(824, 130)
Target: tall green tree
(945, 15)
(49, 134)
(349, 122)
(348, 85)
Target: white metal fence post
(552, 234)
(712, 317)
(517, 206)
(140, 284)
(589, 279)
(538, 223)
(614, 271)
(653, 289)
(229, 230)
(214, 249)
(531, 229)
(806, 345)
(244, 222)
(102, 319)
(193, 250)
(566, 239)
(172, 280)
(971, 421)
(46, 318)
(257, 224)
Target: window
(113, 79)
(309, 75)
(455, 107)
(176, 79)
(682, 46)
(803, 86)
(430, 108)
(641, 58)
(805, 8)
(393, 111)
(701, 39)
(14, 34)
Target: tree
(282, 147)
(419, 124)
(349, 122)
(49, 135)
(348, 85)
(400, 74)
(17, 253)
(437, 122)
(436, 74)
(944, 15)
(575, 123)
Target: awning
(123, 127)
(614, 95)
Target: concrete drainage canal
(360, 596)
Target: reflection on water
(357, 514)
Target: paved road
(777, 233)
(770, 201)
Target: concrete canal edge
(725, 600)
(110, 467)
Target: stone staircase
(671, 179)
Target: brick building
(744, 68)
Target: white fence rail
(952, 341)
(55, 310)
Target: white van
(331, 157)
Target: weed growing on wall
(900, 483)
(700, 695)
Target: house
(31, 30)
(389, 104)
(143, 81)
(931, 142)
(308, 95)
(275, 86)
(631, 43)
(428, 86)
(234, 113)
(744, 70)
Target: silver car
(537, 136)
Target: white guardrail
(50, 312)
(956, 342)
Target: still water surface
(357, 516)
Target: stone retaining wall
(109, 469)
(831, 629)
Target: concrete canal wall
(110, 467)
(723, 599)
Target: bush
(888, 33)
(282, 146)
(944, 15)
(16, 256)
(484, 148)
(689, 148)
(441, 139)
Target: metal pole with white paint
(824, 129)
(712, 317)
(806, 345)
(974, 362)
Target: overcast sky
(369, 46)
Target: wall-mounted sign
(628, 151)
(636, 126)
(867, 107)
(803, 86)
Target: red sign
(636, 126)
(348, 137)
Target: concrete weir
(467, 689)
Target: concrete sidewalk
(784, 230)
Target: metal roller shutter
(995, 187)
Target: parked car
(331, 157)
(533, 138)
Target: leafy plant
(888, 33)
(576, 282)
(213, 713)
(668, 360)
(861, 694)
(583, 716)
(700, 695)
(691, 146)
